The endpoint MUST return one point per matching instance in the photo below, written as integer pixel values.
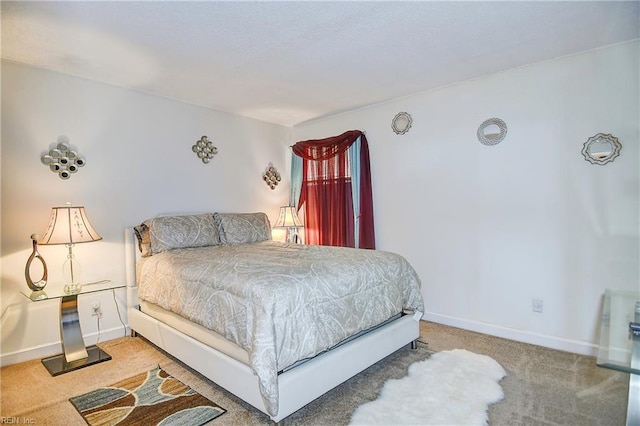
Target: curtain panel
(336, 190)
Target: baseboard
(55, 348)
(552, 342)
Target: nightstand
(75, 354)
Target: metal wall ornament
(271, 177)
(204, 149)
(401, 123)
(63, 160)
(492, 131)
(601, 149)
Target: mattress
(218, 342)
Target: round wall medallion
(492, 131)
(601, 149)
(401, 123)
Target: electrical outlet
(97, 311)
(536, 305)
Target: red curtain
(326, 191)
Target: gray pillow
(242, 228)
(173, 232)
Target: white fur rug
(450, 388)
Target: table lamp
(288, 218)
(69, 225)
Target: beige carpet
(542, 386)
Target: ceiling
(293, 61)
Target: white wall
(490, 228)
(487, 228)
(139, 164)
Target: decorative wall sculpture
(271, 177)
(204, 149)
(63, 161)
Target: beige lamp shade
(288, 218)
(69, 225)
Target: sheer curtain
(354, 169)
(296, 180)
(334, 183)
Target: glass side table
(620, 343)
(75, 354)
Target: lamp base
(57, 364)
(71, 272)
(72, 288)
(292, 236)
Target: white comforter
(281, 302)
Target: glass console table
(620, 343)
(75, 354)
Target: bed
(276, 324)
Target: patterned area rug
(151, 398)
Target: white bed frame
(298, 386)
